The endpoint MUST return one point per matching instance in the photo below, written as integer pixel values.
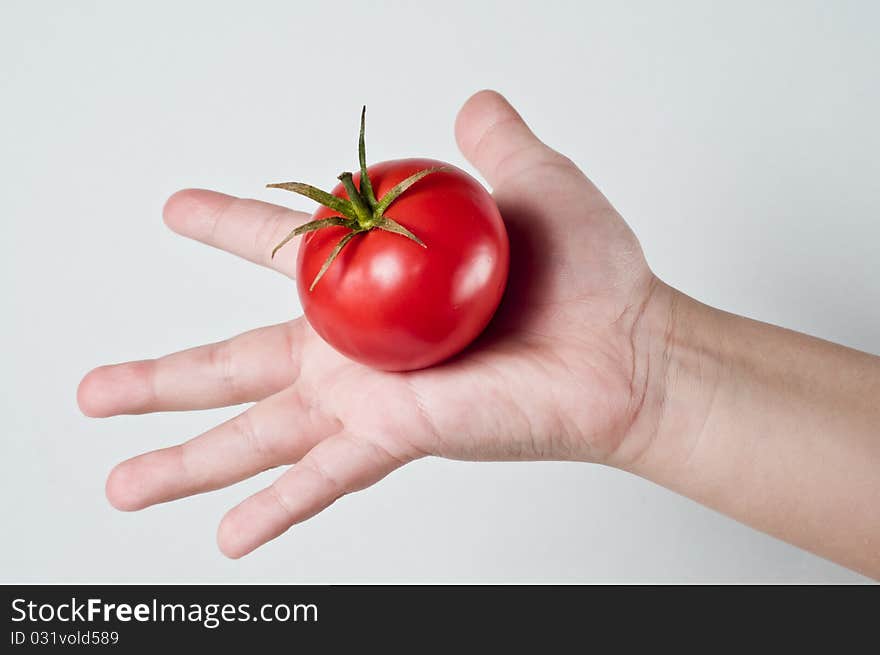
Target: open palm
(561, 372)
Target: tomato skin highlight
(391, 304)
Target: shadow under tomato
(528, 279)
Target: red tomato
(391, 304)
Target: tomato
(386, 301)
(404, 263)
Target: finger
(496, 140)
(247, 228)
(336, 466)
(243, 369)
(276, 431)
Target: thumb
(496, 140)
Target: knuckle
(381, 453)
(282, 502)
(314, 466)
(267, 235)
(528, 159)
(243, 425)
(222, 362)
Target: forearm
(777, 429)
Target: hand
(563, 372)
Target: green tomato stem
(364, 213)
(360, 213)
(366, 183)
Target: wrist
(773, 428)
(678, 348)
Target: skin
(590, 358)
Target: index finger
(244, 227)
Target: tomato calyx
(361, 212)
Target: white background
(739, 140)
